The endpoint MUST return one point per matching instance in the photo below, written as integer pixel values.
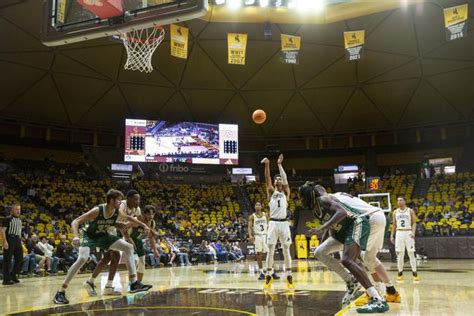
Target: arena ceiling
(409, 76)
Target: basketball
(259, 116)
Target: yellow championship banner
(290, 46)
(237, 45)
(455, 21)
(179, 41)
(354, 42)
(61, 11)
(290, 42)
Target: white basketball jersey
(131, 211)
(355, 203)
(278, 205)
(260, 224)
(403, 218)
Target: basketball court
(233, 289)
(175, 59)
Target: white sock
(380, 287)
(91, 280)
(109, 283)
(133, 279)
(373, 293)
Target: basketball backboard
(70, 21)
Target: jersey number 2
(402, 223)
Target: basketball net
(140, 46)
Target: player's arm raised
(86, 217)
(284, 178)
(268, 178)
(394, 227)
(250, 228)
(413, 223)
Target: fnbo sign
(165, 168)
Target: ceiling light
(234, 4)
(305, 5)
(219, 2)
(278, 3)
(264, 3)
(249, 2)
(318, 5)
(291, 4)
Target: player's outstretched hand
(265, 160)
(280, 159)
(317, 230)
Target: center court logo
(164, 168)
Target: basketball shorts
(101, 241)
(278, 231)
(404, 240)
(140, 250)
(377, 223)
(357, 231)
(261, 243)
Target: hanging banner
(354, 42)
(455, 21)
(237, 45)
(61, 11)
(290, 46)
(179, 41)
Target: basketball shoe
(393, 298)
(60, 298)
(416, 278)
(289, 282)
(90, 288)
(268, 282)
(374, 306)
(352, 287)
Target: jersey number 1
(279, 203)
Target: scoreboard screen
(186, 142)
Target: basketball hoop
(140, 46)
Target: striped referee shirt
(13, 226)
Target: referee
(10, 231)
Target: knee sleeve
(141, 265)
(84, 253)
(319, 253)
(122, 245)
(127, 248)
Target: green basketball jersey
(138, 233)
(100, 225)
(325, 214)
